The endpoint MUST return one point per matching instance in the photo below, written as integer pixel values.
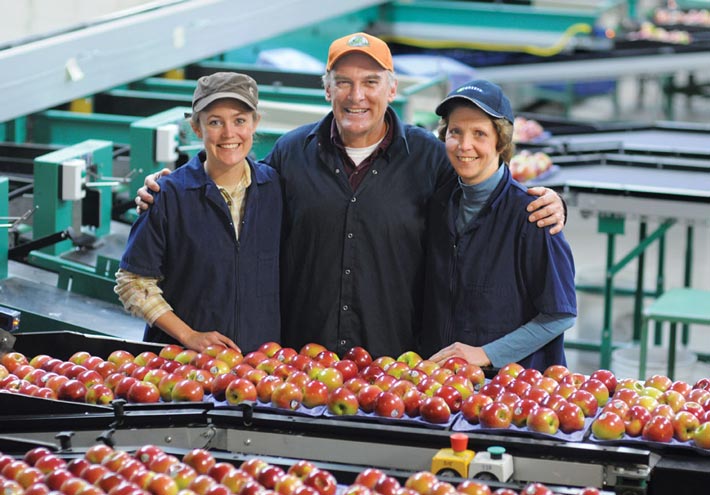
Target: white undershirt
(358, 155)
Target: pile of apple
(543, 402)
(692, 17)
(658, 410)
(527, 165)
(526, 130)
(151, 471)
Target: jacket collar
(195, 176)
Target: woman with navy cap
(499, 289)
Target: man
(356, 186)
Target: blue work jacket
(353, 261)
(496, 276)
(213, 281)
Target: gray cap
(225, 85)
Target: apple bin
(252, 419)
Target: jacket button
(347, 271)
(374, 172)
(350, 235)
(345, 307)
(353, 199)
(337, 170)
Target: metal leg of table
(671, 352)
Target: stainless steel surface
(72, 65)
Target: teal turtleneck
(473, 198)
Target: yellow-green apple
(658, 429)
(684, 426)
(521, 410)
(230, 356)
(397, 368)
(218, 367)
(471, 406)
(342, 401)
(265, 387)
(652, 392)
(312, 349)
(162, 484)
(240, 390)
(287, 395)
(410, 358)
(636, 419)
(187, 391)
(383, 361)
(389, 405)
(571, 417)
(585, 400)
(359, 355)
(632, 383)
(79, 357)
(543, 420)
(608, 426)
(428, 386)
(315, 393)
(367, 396)
(441, 374)
(474, 373)
(607, 377)
(323, 481)
(426, 366)
(598, 390)
(331, 377)
(435, 410)
(701, 438)
(647, 402)
(301, 468)
(29, 476)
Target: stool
(674, 306)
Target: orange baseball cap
(363, 43)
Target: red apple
(230, 356)
(658, 429)
(99, 394)
(659, 382)
(240, 390)
(297, 377)
(287, 395)
(332, 378)
(322, 481)
(301, 468)
(474, 373)
(636, 420)
(495, 415)
(342, 402)
(543, 420)
(269, 476)
(452, 397)
(72, 390)
(521, 410)
(471, 407)
(617, 406)
(269, 348)
(608, 426)
(200, 460)
(586, 401)
(607, 377)
(12, 360)
(285, 354)
(571, 417)
(359, 356)
(315, 393)
(412, 399)
(312, 349)
(389, 405)
(187, 391)
(421, 482)
(265, 387)
(471, 487)
(435, 410)
(144, 393)
(119, 357)
(166, 385)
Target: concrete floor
(589, 246)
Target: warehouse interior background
(639, 100)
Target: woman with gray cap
(499, 289)
(201, 266)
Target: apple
(401, 387)
(518, 387)
(287, 395)
(327, 358)
(571, 417)
(187, 391)
(631, 383)
(701, 437)
(646, 401)
(684, 426)
(359, 356)
(166, 385)
(699, 395)
(536, 489)
(312, 368)
(412, 376)
(412, 399)
(659, 382)
(389, 405)
(315, 393)
(370, 477)
(285, 354)
(301, 468)
(170, 351)
(106, 368)
(535, 393)
(586, 401)
(658, 429)
(299, 378)
(72, 390)
(474, 373)
(312, 349)
(607, 377)
(507, 398)
(543, 420)
(269, 476)
(617, 406)
(673, 398)
(162, 484)
(218, 367)
(598, 390)
(253, 466)
(503, 379)
(342, 401)
(200, 460)
(426, 366)
(681, 386)
(530, 375)
(99, 394)
(171, 366)
(265, 387)
(300, 361)
(269, 348)
(235, 480)
(240, 390)
(56, 479)
(268, 365)
(371, 372)
(387, 485)
(521, 410)
(38, 361)
(575, 379)
(49, 463)
(693, 408)
(332, 378)
(608, 426)
(119, 357)
(94, 472)
(663, 410)
(421, 482)
(626, 394)
(396, 369)
(471, 407)
(322, 481)
(471, 487)
(143, 393)
(434, 409)
(73, 486)
(452, 397)
(385, 381)
(428, 386)
(556, 371)
(36, 489)
(443, 488)
(410, 358)
(203, 377)
(254, 375)
(230, 356)
(636, 419)
(203, 483)
(12, 360)
(29, 476)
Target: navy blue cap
(485, 95)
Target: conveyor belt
(665, 140)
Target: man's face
(360, 91)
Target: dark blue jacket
(353, 261)
(496, 276)
(212, 280)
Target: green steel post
(606, 346)
(54, 214)
(638, 299)
(4, 241)
(671, 351)
(688, 274)
(657, 334)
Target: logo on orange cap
(364, 43)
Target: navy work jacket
(353, 261)
(213, 281)
(496, 276)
